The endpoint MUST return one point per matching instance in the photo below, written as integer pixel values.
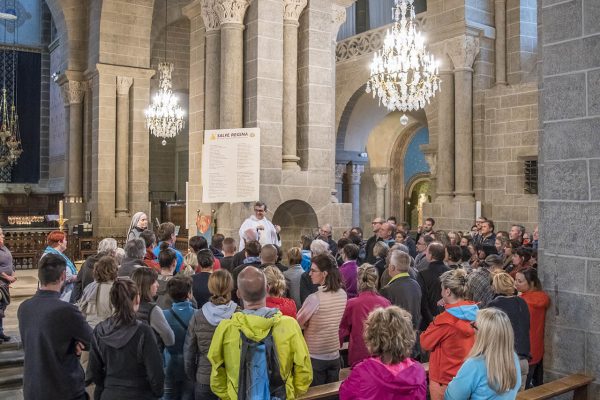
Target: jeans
(325, 371)
(203, 392)
(178, 389)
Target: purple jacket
(349, 271)
(371, 380)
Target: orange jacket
(449, 338)
(537, 302)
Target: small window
(531, 176)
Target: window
(530, 171)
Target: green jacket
(224, 352)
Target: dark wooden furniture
(576, 383)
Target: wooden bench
(331, 390)
(577, 383)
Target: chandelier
(164, 117)
(404, 76)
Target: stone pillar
(381, 182)
(231, 16)
(338, 17)
(213, 65)
(291, 13)
(122, 146)
(73, 93)
(500, 48)
(445, 157)
(357, 171)
(340, 170)
(462, 50)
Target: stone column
(445, 157)
(500, 48)
(357, 171)
(231, 16)
(291, 13)
(340, 170)
(122, 146)
(73, 94)
(463, 50)
(381, 181)
(338, 16)
(213, 65)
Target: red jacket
(537, 302)
(449, 338)
(285, 305)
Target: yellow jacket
(224, 353)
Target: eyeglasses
(474, 325)
(259, 210)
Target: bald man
(256, 321)
(269, 255)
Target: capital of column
(338, 17)
(431, 159)
(73, 92)
(357, 171)
(381, 179)
(210, 16)
(340, 170)
(231, 11)
(292, 9)
(462, 50)
(123, 85)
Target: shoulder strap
(178, 319)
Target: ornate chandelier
(164, 117)
(404, 75)
(10, 139)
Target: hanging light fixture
(164, 116)
(404, 75)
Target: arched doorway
(418, 190)
(296, 218)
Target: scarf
(70, 264)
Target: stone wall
(569, 185)
(57, 144)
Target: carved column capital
(462, 50)
(381, 179)
(292, 9)
(431, 159)
(123, 85)
(340, 170)
(73, 92)
(210, 16)
(357, 171)
(338, 17)
(231, 11)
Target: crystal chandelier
(404, 75)
(164, 117)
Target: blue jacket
(174, 354)
(156, 251)
(471, 383)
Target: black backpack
(260, 378)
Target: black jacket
(518, 313)
(370, 258)
(306, 287)
(125, 362)
(128, 265)
(405, 293)
(431, 289)
(50, 329)
(85, 276)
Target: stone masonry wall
(570, 185)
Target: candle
(60, 209)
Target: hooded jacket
(537, 302)
(224, 352)
(125, 362)
(449, 338)
(372, 380)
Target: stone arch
(345, 117)
(71, 21)
(296, 218)
(410, 195)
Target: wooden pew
(577, 383)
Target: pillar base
(464, 197)
(291, 162)
(122, 213)
(444, 197)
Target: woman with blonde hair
(450, 336)
(276, 288)
(492, 370)
(389, 373)
(201, 329)
(357, 311)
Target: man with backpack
(259, 353)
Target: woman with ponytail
(450, 336)
(202, 328)
(167, 259)
(492, 370)
(124, 360)
(357, 311)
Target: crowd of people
(217, 323)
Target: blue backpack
(260, 378)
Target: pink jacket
(372, 380)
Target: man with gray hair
(135, 250)
(325, 234)
(85, 276)
(258, 329)
(402, 290)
